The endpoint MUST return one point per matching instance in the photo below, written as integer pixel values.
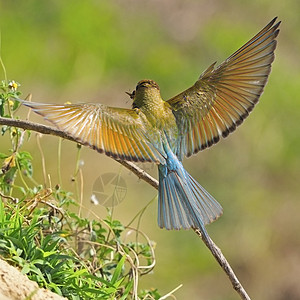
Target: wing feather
(118, 132)
(223, 96)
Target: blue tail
(182, 201)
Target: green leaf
(26, 269)
(16, 105)
(3, 156)
(15, 241)
(38, 261)
(127, 291)
(19, 260)
(118, 270)
(100, 279)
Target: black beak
(131, 95)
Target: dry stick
(216, 252)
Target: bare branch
(216, 252)
(53, 131)
(140, 173)
(35, 127)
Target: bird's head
(145, 90)
(147, 84)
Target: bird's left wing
(223, 97)
(118, 132)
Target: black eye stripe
(147, 83)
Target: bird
(165, 132)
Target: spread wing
(119, 132)
(223, 97)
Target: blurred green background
(96, 50)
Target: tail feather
(210, 209)
(172, 203)
(184, 203)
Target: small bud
(94, 200)
(8, 163)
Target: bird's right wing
(118, 132)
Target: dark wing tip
(272, 21)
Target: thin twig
(170, 294)
(15, 200)
(38, 141)
(216, 252)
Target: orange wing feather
(223, 97)
(119, 132)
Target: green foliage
(75, 257)
(72, 256)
